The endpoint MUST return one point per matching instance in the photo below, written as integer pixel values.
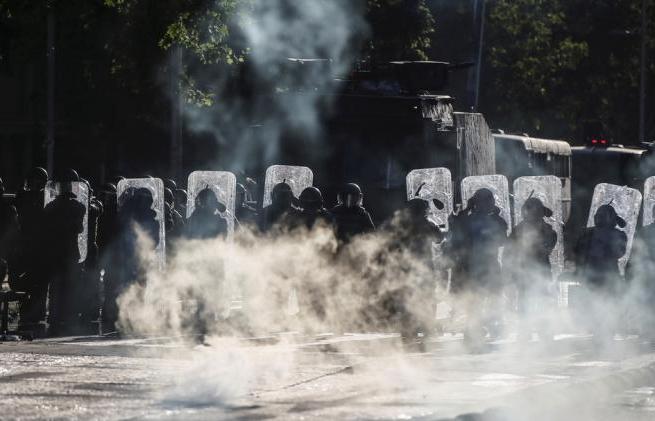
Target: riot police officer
(598, 250)
(412, 304)
(281, 213)
(642, 262)
(135, 213)
(533, 237)
(64, 221)
(108, 250)
(350, 216)
(206, 220)
(28, 272)
(312, 209)
(639, 273)
(528, 261)
(90, 288)
(477, 233)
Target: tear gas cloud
(297, 282)
(274, 31)
(288, 282)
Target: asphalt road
(290, 376)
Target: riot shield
(81, 191)
(498, 186)
(223, 184)
(548, 189)
(626, 202)
(299, 178)
(649, 201)
(432, 183)
(156, 188)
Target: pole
(643, 71)
(478, 67)
(50, 112)
(176, 114)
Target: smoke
(224, 372)
(280, 97)
(295, 282)
(302, 280)
(252, 289)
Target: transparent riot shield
(649, 201)
(548, 189)
(81, 192)
(223, 184)
(156, 188)
(299, 178)
(498, 186)
(626, 202)
(432, 183)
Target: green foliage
(400, 29)
(127, 44)
(201, 28)
(550, 64)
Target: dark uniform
(597, 254)
(527, 258)
(206, 221)
(477, 233)
(90, 288)
(411, 307)
(312, 210)
(281, 214)
(135, 213)
(312, 214)
(531, 243)
(27, 272)
(64, 221)
(8, 232)
(598, 250)
(349, 215)
(642, 262)
(108, 249)
(640, 275)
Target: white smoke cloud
(273, 31)
(241, 290)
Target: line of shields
(145, 196)
(436, 183)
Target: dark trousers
(64, 299)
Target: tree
(400, 29)
(550, 65)
(529, 64)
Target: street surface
(326, 377)
(290, 376)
